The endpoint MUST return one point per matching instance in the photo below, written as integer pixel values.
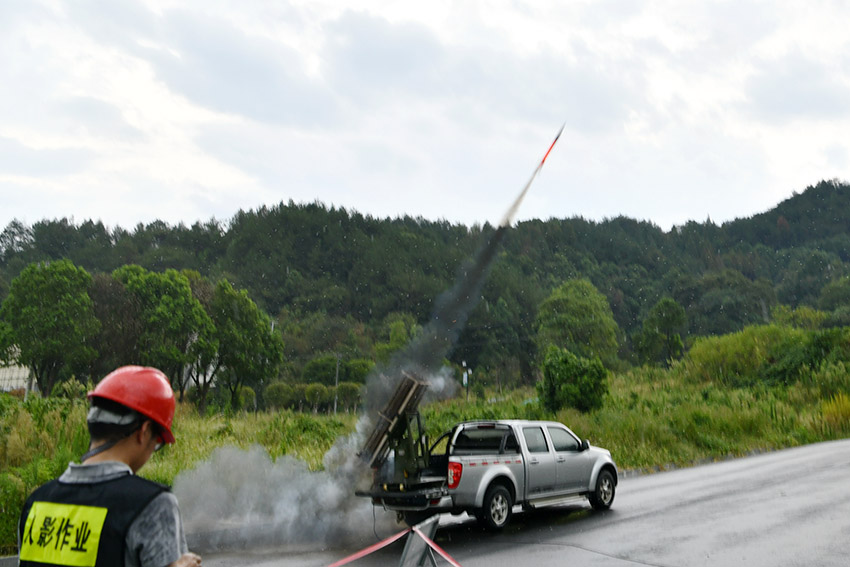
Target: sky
(127, 112)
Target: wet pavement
(785, 508)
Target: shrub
(572, 381)
(247, 398)
(788, 361)
(478, 390)
(279, 395)
(738, 359)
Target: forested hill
(314, 267)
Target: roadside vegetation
(652, 419)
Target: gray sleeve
(156, 537)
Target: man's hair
(99, 431)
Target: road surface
(789, 507)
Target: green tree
(727, 301)
(177, 331)
(348, 394)
(121, 326)
(398, 328)
(321, 370)
(578, 318)
(571, 381)
(279, 395)
(358, 369)
(802, 317)
(660, 340)
(250, 350)
(50, 319)
(835, 295)
(316, 395)
(16, 238)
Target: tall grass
(40, 437)
(652, 419)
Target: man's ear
(140, 433)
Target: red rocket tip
(542, 161)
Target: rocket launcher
(398, 429)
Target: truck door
(541, 476)
(573, 464)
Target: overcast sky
(130, 111)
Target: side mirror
(585, 445)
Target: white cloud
(130, 111)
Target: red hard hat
(143, 389)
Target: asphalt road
(790, 507)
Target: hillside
(316, 269)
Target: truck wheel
(498, 507)
(603, 496)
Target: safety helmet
(143, 389)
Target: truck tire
(603, 496)
(498, 507)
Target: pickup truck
(484, 468)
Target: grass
(652, 419)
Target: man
(99, 513)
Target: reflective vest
(82, 525)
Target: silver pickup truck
(486, 467)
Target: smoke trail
(424, 355)
(240, 499)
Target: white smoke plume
(240, 499)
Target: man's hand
(188, 560)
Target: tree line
(63, 323)
(336, 284)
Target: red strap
(437, 548)
(371, 549)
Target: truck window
(535, 440)
(511, 445)
(562, 441)
(484, 441)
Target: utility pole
(336, 382)
(466, 380)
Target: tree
(835, 294)
(578, 318)
(802, 317)
(399, 328)
(249, 348)
(726, 301)
(571, 381)
(177, 331)
(316, 394)
(121, 326)
(50, 319)
(660, 340)
(348, 394)
(15, 239)
(321, 370)
(279, 395)
(358, 369)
